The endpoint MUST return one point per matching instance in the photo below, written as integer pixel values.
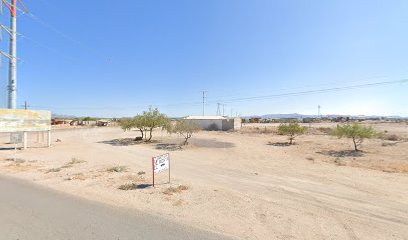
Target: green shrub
(292, 130)
(354, 131)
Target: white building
(216, 123)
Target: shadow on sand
(168, 146)
(344, 153)
(122, 142)
(211, 143)
(280, 144)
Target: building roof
(205, 118)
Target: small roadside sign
(160, 163)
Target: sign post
(160, 163)
(153, 169)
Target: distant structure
(204, 92)
(319, 114)
(218, 109)
(215, 123)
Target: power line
(253, 98)
(67, 37)
(317, 91)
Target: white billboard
(19, 120)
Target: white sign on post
(161, 163)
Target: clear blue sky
(115, 58)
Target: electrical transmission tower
(12, 55)
(218, 109)
(319, 114)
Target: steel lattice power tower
(12, 56)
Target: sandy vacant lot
(244, 184)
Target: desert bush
(76, 161)
(292, 130)
(89, 119)
(128, 186)
(53, 170)
(186, 129)
(325, 130)
(391, 137)
(73, 162)
(173, 190)
(118, 169)
(354, 131)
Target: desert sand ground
(244, 184)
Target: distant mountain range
(297, 115)
(55, 115)
(276, 116)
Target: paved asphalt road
(29, 212)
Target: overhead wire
(252, 98)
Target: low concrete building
(216, 123)
(102, 123)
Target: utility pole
(204, 92)
(12, 56)
(223, 110)
(12, 87)
(25, 105)
(319, 114)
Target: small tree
(186, 129)
(129, 123)
(147, 122)
(292, 130)
(153, 119)
(354, 131)
(126, 123)
(139, 122)
(88, 119)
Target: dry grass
(132, 178)
(118, 169)
(133, 186)
(20, 167)
(72, 163)
(77, 176)
(310, 159)
(258, 130)
(173, 190)
(76, 161)
(391, 137)
(128, 186)
(53, 170)
(385, 167)
(325, 130)
(15, 160)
